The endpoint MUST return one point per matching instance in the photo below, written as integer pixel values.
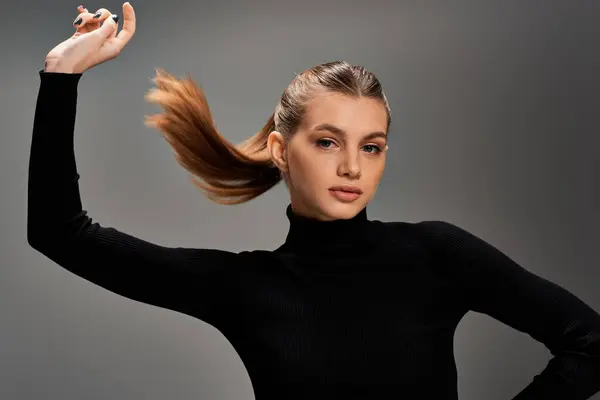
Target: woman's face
(341, 141)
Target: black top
(343, 309)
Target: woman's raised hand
(94, 41)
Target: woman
(346, 307)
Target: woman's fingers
(97, 38)
(115, 18)
(128, 26)
(82, 25)
(101, 14)
(88, 22)
(80, 21)
(106, 32)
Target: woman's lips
(344, 196)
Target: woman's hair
(233, 174)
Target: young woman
(346, 307)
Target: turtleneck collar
(316, 237)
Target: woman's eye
(323, 141)
(374, 148)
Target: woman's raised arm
(198, 282)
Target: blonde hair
(232, 174)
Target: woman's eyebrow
(339, 131)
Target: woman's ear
(277, 150)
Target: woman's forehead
(348, 113)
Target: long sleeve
(495, 285)
(198, 282)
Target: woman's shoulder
(422, 229)
(428, 234)
(414, 229)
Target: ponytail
(226, 173)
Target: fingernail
(77, 21)
(98, 15)
(115, 17)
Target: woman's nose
(350, 166)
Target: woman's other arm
(494, 284)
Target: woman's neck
(312, 236)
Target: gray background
(495, 128)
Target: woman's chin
(340, 210)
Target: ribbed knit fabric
(344, 309)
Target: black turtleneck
(342, 309)
(327, 238)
